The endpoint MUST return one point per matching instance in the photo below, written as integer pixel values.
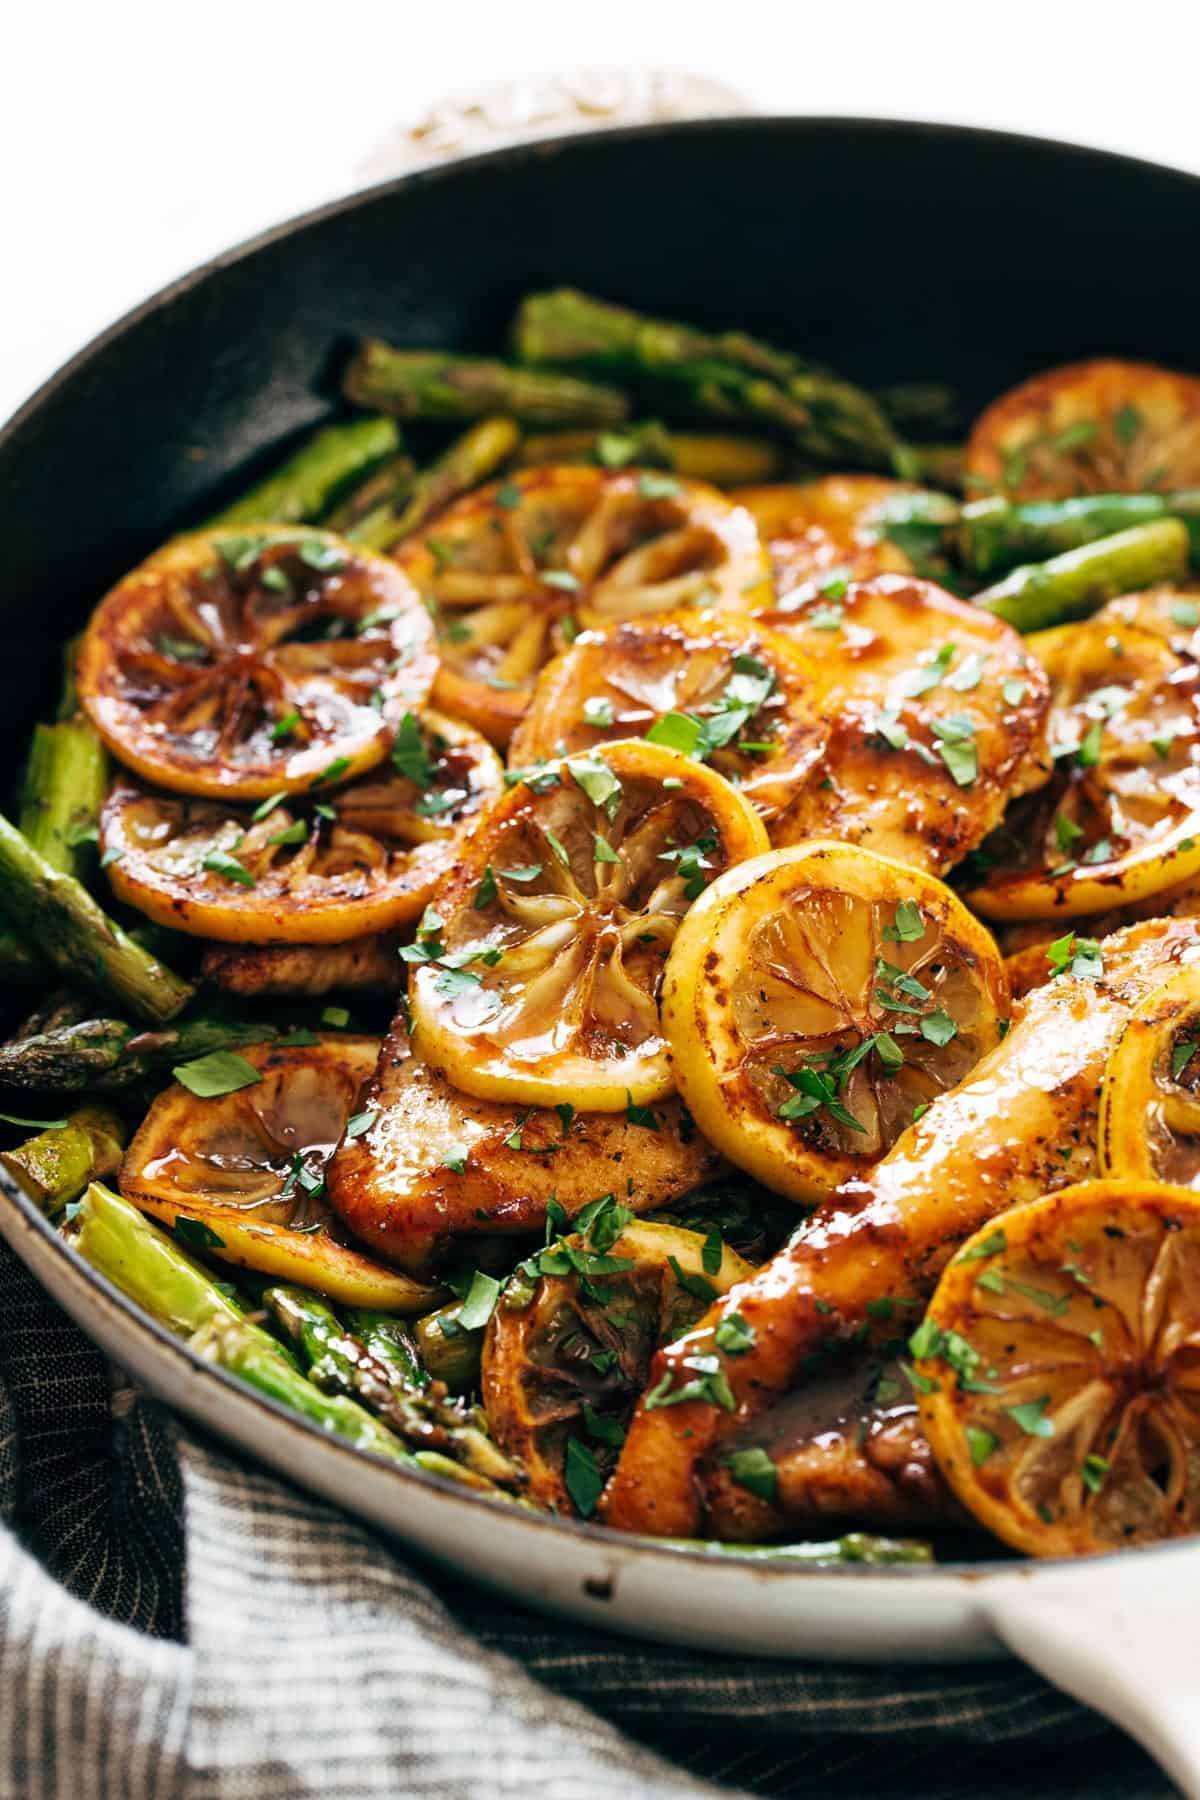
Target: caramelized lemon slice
(1149, 1107)
(569, 1344)
(1120, 819)
(538, 978)
(817, 999)
(242, 1174)
(515, 569)
(1058, 1369)
(239, 665)
(1102, 427)
(341, 865)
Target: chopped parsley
(754, 1471)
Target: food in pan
(625, 932)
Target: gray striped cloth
(176, 1625)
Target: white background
(136, 139)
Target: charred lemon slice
(817, 999)
(820, 531)
(514, 570)
(538, 978)
(347, 864)
(721, 689)
(569, 1344)
(1102, 427)
(240, 1171)
(239, 665)
(1058, 1370)
(1120, 820)
(1149, 1106)
(936, 720)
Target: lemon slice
(237, 665)
(1101, 427)
(437, 1167)
(1149, 1107)
(240, 1174)
(341, 864)
(569, 1344)
(721, 688)
(820, 531)
(819, 998)
(1120, 820)
(1058, 1369)
(538, 978)
(514, 570)
(936, 718)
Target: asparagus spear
(65, 783)
(107, 1055)
(157, 1273)
(1073, 585)
(434, 384)
(56, 1165)
(309, 481)
(148, 1265)
(389, 485)
(449, 1351)
(995, 534)
(60, 918)
(340, 1363)
(389, 1340)
(855, 1547)
(469, 460)
(723, 458)
(724, 375)
(60, 1006)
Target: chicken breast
(436, 1166)
(936, 719)
(1022, 1124)
(365, 965)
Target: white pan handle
(1123, 1636)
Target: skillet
(893, 252)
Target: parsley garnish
(754, 1471)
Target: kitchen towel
(176, 1624)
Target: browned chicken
(437, 1165)
(936, 720)
(1021, 1124)
(365, 965)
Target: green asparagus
(65, 783)
(107, 1055)
(242, 1350)
(725, 375)
(723, 458)
(390, 1341)
(449, 1351)
(312, 479)
(389, 485)
(148, 1265)
(433, 384)
(855, 1547)
(1072, 586)
(59, 917)
(995, 534)
(340, 1363)
(56, 1165)
(469, 460)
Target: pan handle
(1120, 1636)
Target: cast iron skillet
(891, 251)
